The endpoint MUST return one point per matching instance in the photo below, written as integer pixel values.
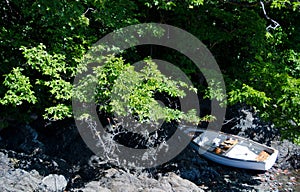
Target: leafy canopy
(43, 43)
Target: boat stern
(271, 160)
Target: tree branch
(276, 24)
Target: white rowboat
(232, 150)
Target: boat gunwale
(274, 151)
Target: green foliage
(250, 96)
(19, 89)
(58, 112)
(215, 91)
(47, 73)
(274, 86)
(171, 5)
(134, 93)
(126, 91)
(106, 77)
(40, 60)
(52, 69)
(280, 4)
(43, 43)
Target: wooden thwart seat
(225, 146)
(262, 156)
(229, 143)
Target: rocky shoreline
(56, 159)
(187, 172)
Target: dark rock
(59, 154)
(289, 154)
(243, 121)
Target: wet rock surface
(56, 159)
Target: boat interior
(235, 147)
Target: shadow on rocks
(243, 121)
(209, 175)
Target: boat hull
(244, 164)
(236, 162)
